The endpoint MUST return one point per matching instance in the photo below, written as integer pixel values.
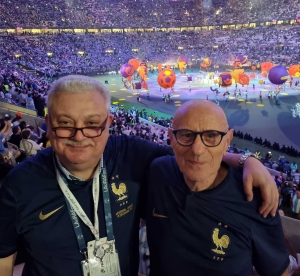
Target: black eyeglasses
(210, 138)
(89, 132)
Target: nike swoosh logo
(157, 215)
(43, 217)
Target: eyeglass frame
(81, 129)
(222, 133)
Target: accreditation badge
(103, 258)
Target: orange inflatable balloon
(159, 67)
(166, 78)
(244, 79)
(266, 66)
(264, 74)
(294, 70)
(134, 63)
(253, 67)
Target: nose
(79, 135)
(198, 147)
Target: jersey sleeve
(270, 254)
(8, 217)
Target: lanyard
(106, 200)
(76, 210)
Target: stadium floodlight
(180, 48)
(80, 52)
(49, 54)
(135, 50)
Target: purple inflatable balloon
(126, 70)
(183, 59)
(242, 59)
(278, 75)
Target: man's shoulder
(163, 162)
(133, 145)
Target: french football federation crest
(119, 191)
(220, 242)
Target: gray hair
(78, 84)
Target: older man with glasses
(75, 207)
(198, 219)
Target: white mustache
(80, 144)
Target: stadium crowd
(72, 53)
(141, 13)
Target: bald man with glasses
(198, 219)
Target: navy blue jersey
(31, 192)
(212, 232)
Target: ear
(229, 137)
(109, 119)
(171, 136)
(47, 121)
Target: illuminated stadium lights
(80, 52)
(135, 50)
(49, 54)
(215, 46)
(109, 51)
(180, 48)
(18, 55)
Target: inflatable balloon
(143, 63)
(261, 82)
(264, 74)
(258, 66)
(183, 59)
(144, 85)
(182, 66)
(142, 73)
(225, 79)
(244, 79)
(166, 78)
(126, 70)
(253, 67)
(278, 75)
(207, 61)
(134, 63)
(159, 67)
(242, 59)
(266, 66)
(237, 64)
(252, 76)
(137, 85)
(235, 74)
(294, 70)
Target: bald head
(197, 109)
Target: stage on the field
(245, 110)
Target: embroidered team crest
(220, 242)
(119, 190)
